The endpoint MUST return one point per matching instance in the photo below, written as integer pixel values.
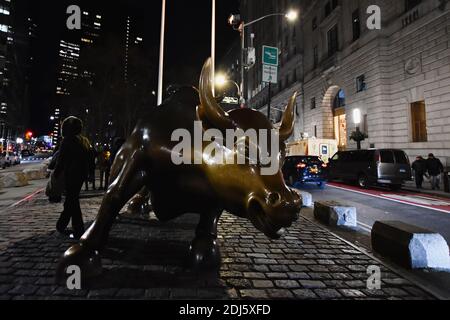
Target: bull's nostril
(274, 198)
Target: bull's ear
(288, 120)
(209, 110)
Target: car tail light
(301, 166)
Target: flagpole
(213, 45)
(161, 54)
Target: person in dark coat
(103, 166)
(420, 169)
(434, 168)
(92, 164)
(73, 164)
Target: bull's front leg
(140, 204)
(204, 252)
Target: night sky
(188, 37)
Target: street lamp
(357, 122)
(161, 54)
(221, 80)
(238, 24)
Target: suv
(9, 158)
(304, 169)
(371, 167)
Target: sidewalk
(411, 186)
(143, 260)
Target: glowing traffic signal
(28, 135)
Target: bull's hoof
(204, 254)
(88, 261)
(139, 206)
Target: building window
(314, 23)
(315, 131)
(410, 4)
(356, 23)
(313, 103)
(361, 83)
(330, 6)
(316, 56)
(419, 122)
(333, 43)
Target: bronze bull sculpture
(143, 169)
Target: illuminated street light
(357, 116)
(292, 15)
(221, 80)
(357, 121)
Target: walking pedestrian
(103, 166)
(435, 169)
(420, 168)
(92, 157)
(73, 164)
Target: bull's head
(264, 199)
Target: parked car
(17, 158)
(26, 153)
(305, 169)
(2, 160)
(388, 167)
(9, 158)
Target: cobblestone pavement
(144, 259)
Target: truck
(322, 148)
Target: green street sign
(270, 56)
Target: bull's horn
(209, 108)
(287, 123)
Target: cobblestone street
(144, 259)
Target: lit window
(419, 122)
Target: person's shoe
(64, 232)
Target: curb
(428, 193)
(390, 266)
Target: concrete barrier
(34, 174)
(307, 200)
(335, 214)
(13, 179)
(410, 246)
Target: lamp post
(213, 44)
(235, 21)
(221, 81)
(161, 53)
(357, 121)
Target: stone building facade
(397, 77)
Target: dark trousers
(419, 180)
(72, 210)
(90, 179)
(104, 179)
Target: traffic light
(28, 135)
(235, 21)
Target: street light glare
(357, 116)
(220, 80)
(292, 15)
